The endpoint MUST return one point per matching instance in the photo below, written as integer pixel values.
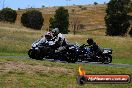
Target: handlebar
(83, 45)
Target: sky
(15, 4)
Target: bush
(84, 8)
(116, 19)
(82, 26)
(80, 6)
(130, 32)
(60, 20)
(7, 14)
(95, 3)
(53, 23)
(32, 19)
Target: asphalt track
(93, 63)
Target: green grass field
(26, 73)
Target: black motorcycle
(70, 53)
(38, 50)
(48, 50)
(86, 53)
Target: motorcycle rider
(49, 38)
(59, 39)
(94, 48)
(46, 38)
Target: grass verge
(19, 73)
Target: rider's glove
(82, 46)
(59, 39)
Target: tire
(38, 56)
(31, 53)
(108, 59)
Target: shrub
(95, 3)
(116, 19)
(32, 19)
(82, 26)
(130, 32)
(60, 20)
(80, 6)
(7, 14)
(53, 23)
(83, 8)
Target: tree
(116, 19)
(75, 22)
(8, 15)
(43, 6)
(3, 6)
(60, 20)
(53, 23)
(32, 19)
(130, 32)
(95, 3)
(129, 6)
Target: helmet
(48, 35)
(55, 31)
(90, 41)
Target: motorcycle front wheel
(34, 55)
(31, 53)
(107, 59)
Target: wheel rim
(30, 53)
(108, 59)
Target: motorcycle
(100, 55)
(47, 50)
(36, 50)
(70, 52)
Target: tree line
(117, 19)
(34, 19)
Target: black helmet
(90, 41)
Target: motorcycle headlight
(33, 45)
(109, 51)
(105, 51)
(36, 48)
(72, 47)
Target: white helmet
(55, 31)
(48, 35)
